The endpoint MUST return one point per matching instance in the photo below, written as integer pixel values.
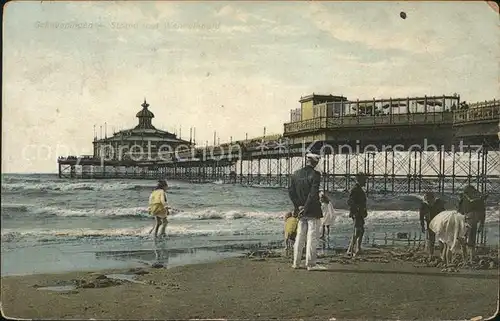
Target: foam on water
(80, 185)
(234, 222)
(210, 213)
(45, 235)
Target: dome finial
(145, 104)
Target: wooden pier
(438, 150)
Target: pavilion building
(144, 142)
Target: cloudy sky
(231, 67)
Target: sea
(52, 225)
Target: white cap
(315, 157)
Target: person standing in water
(158, 207)
(430, 207)
(358, 213)
(304, 194)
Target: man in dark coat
(304, 194)
(430, 207)
(472, 204)
(358, 213)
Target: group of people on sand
(453, 229)
(313, 209)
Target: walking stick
(351, 244)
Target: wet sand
(381, 284)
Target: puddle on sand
(58, 288)
(124, 277)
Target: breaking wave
(64, 235)
(64, 186)
(207, 213)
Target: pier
(405, 145)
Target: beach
(377, 285)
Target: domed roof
(145, 112)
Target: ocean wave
(15, 208)
(65, 186)
(214, 214)
(198, 212)
(48, 235)
(23, 178)
(137, 212)
(142, 212)
(257, 223)
(139, 188)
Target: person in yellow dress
(158, 207)
(291, 223)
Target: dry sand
(375, 286)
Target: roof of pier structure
(329, 97)
(144, 130)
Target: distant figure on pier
(429, 208)
(328, 214)
(304, 194)
(358, 212)
(472, 204)
(158, 207)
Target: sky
(229, 67)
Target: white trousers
(307, 231)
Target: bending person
(430, 207)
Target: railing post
(357, 111)
(391, 112)
(425, 108)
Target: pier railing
(478, 112)
(487, 111)
(321, 123)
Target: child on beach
(358, 212)
(158, 207)
(328, 216)
(291, 223)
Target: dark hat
(361, 175)
(162, 183)
(429, 195)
